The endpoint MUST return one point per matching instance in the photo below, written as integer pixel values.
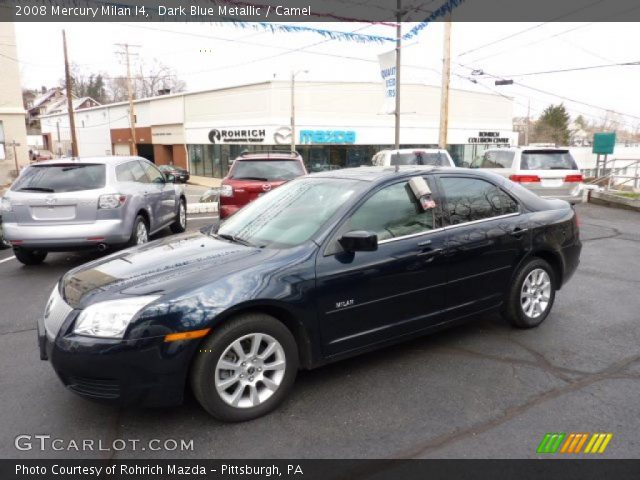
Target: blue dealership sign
(327, 136)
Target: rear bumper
(112, 231)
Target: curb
(611, 200)
(211, 207)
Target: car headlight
(110, 319)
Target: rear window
(265, 170)
(547, 160)
(419, 158)
(61, 178)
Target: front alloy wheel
(250, 370)
(245, 368)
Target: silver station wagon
(73, 203)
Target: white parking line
(6, 259)
(201, 218)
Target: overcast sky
(209, 56)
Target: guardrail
(611, 179)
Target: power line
(580, 102)
(575, 69)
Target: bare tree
(150, 79)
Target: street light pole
(293, 107)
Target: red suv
(254, 174)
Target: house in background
(51, 101)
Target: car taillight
(5, 205)
(573, 179)
(111, 200)
(226, 191)
(524, 178)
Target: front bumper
(111, 231)
(147, 371)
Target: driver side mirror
(170, 178)
(359, 241)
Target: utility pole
(293, 107)
(446, 76)
(133, 148)
(398, 63)
(72, 118)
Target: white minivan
(547, 171)
(413, 156)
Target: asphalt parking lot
(483, 390)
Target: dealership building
(338, 124)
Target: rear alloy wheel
(532, 295)
(30, 257)
(246, 368)
(180, 225)
(140, 233)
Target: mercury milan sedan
(324, 267)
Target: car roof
(382, 174)
(106, 160)
(411, 150)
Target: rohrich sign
(489, 137)
(239, 135)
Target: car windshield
(419, 158)
(61, 178)
(547, 160)
(289, 215)
(266, 170)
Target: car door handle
(518, 232)
(432, 252)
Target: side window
(471, 199)
(392, 212)
(124, 173)
(154, 175)
(137, 172)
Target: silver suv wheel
(142, 236)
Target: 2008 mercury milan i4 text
(324, 267)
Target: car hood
(158, 267)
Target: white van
(413, 156)
(547, 171)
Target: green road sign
(603, 143)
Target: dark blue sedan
(325, 267)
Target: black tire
(514, 310)
(179, 225)
(135, 232)
(203, 371)
(30, 257)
